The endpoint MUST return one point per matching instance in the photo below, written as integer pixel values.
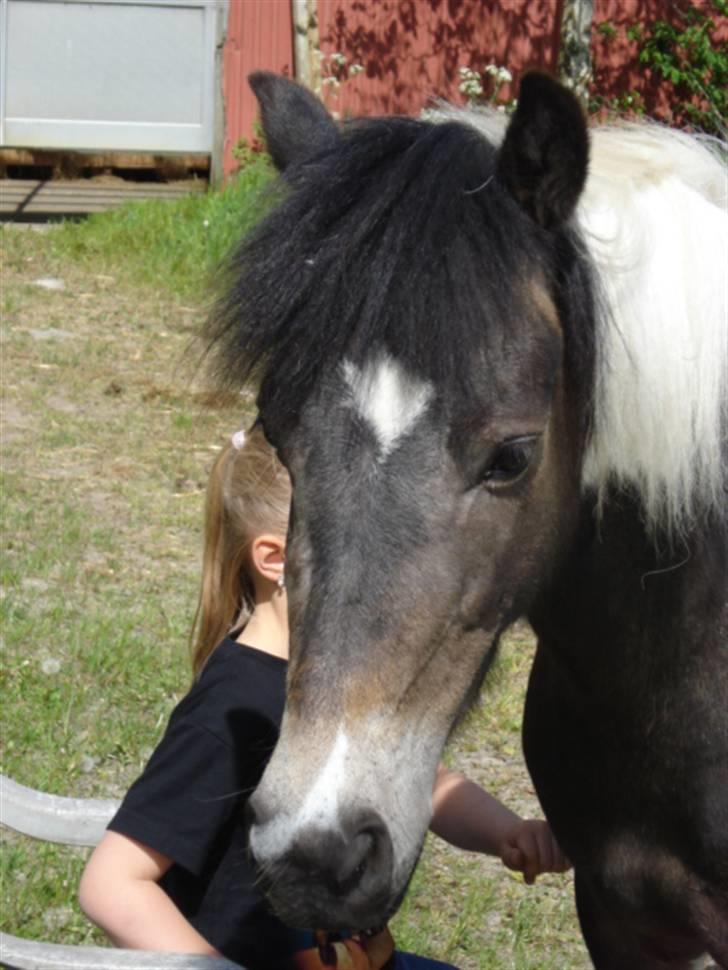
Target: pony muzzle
(345, 869)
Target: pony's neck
(623, 607)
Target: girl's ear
(267, 557)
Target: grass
(174, 247)
(108, 433)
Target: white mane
(655, 218)
(654, 215)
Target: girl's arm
(119, 892)
(466, 816)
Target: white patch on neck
(655, 218)
(388, 398)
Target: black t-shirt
(189, 803)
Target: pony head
(419, 316)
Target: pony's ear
(295, 123)
(544, 157)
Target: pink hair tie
(238, 440)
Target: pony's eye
(509, 461)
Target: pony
(493, 355)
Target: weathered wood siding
(259, 36)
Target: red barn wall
(412, 50)
(259, 36)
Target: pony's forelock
(395, 241)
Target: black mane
(399, 235)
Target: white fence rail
(53, 818)
(19, 954)
(75, 821)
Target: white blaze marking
(321, 804)
(363, 771)
(388, 398)
(319, 808)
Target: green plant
(607, 29)
(693, 61)
(628, 103)
(247, 151)
(687, 55)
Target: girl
(172, 872)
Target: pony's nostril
(308, 873)
(353, 861)
(366, 855)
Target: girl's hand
(531, 848)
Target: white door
(116, 75)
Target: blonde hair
(248, 494)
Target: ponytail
(248, 494)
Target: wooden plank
(50, 198)
(96, 160)
(77, 185)
(19, 954)
(53, 818)
(35, 197)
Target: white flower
(355, 69)
(56, 918)
(88, 763)
(338, 59)
(49, 283)
(473, 89)
(504, 75)
(470, 84)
